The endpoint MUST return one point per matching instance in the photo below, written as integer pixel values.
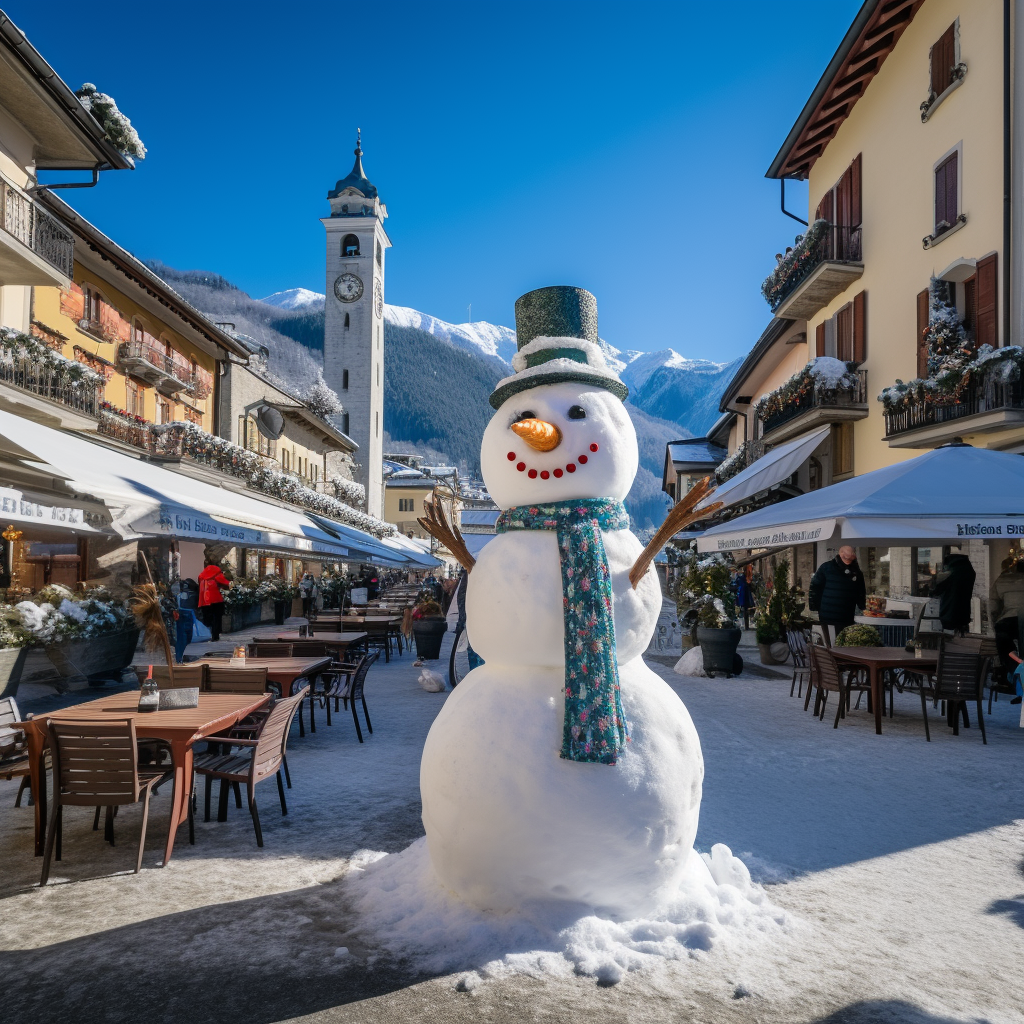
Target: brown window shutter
(860, 348)
(940, 195)
(951, 198)
(825, 207)
(943, 55)
(819, 339)
(855, 206)
(844, 333)
(843, 200)
(922, 327)
(987, 330)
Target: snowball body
(510, 823)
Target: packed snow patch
(403, 911)
(691, 664)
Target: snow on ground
(899, 865)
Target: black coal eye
(577, 412)
(528, 415)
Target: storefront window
(875, 563)
(926, 564)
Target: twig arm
(435, 522)
(683, 513)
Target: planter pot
(719, 649)
(281, 609)
(98, 659)
(428, 634)
(774, 653)
(12, 661)
(263, 612)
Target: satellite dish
(269, 422)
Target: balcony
(745, 455)
(983, 407)
(821, 266)
(815, 406)
(35, 248)
(169, 372)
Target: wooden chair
(326, 626)
(960, 678)
(270, 649)
(15, 762)
(236, 680)
(309, 649)
(262, 756)
(797, 642)
(184, 676)
(828, 677)
(95, 765)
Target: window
(947, 192)
(378, 375)
(138, 331)
(844, 335)
(943, 59)
(406, 505)
(841, 207)
(163, 411)
(193, 416)
(344, 422)
(284, 459)
(93, 304)
(344, 380)
(376, 423)
(346, 321)
(380, 254)
(813, 474)
(135, 399)
(349, 246)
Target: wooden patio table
(339, 642)
(180, 728)
(282, 671)
(876, 660)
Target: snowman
(563, 770)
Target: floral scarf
(595, 727)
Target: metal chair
(828, 677)
(95, 765)
(797, 642)
(264, 757)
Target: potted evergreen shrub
(428, 630)
(706, 585)
(779, 609)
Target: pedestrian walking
(211, 599)
(837, 590)
(954, 587)
(306, 585)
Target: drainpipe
(782, 183)
(1011, 316)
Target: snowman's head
(556, 442)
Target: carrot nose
(539, 434)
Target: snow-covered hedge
(797, 262)
(15, 346)
(56, 614)
(198, 444)
(1000, 365)
(732, 465)
(819, 375)
(118, 128)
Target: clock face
(378, 299)
(348, 287)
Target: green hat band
(546, 354)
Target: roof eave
(771, 334)
(107, 155)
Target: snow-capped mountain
(295, 298)
(479, 337)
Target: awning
(777, 465)
(15, 507)
(950, 495)
(397, 552)
(146, 500)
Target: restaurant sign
(176, 521)
(14, 505)
(768, 537)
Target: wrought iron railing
(831, 243)
(988, 396)
(49, 382)
(816, 399)
(36, 228)
(171, 364)
(125, 429)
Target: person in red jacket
(211, 600)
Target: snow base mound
(691, 664)
(404, 912)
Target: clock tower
(354, 319)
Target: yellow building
(915, 218)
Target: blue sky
(621, 147)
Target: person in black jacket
(837, 590)
(954, 587)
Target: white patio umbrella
(949, 495)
